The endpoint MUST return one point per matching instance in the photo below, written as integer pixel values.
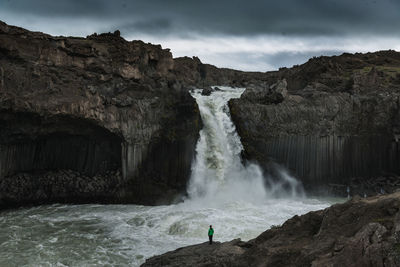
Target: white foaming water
(222, 192)
(218, 173)
(125, 235)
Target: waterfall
(218, 173)
(232, 196)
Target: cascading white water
(218, 173)
(222, 192)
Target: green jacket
(210, 231)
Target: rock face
(360, 232)
(91, 119)
(77, 109)
(329, 120)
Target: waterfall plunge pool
(125, 235)
(234, 197)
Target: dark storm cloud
(157, 25)
(230, 17)
(249, 35)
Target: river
(232, 195)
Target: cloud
(249, 35)
(266, 52)
(153, 26)
(232, 17)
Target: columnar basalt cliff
(330, 120)
(360, 232)
(104, 119)
(91, 119)
(333, 121)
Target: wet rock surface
(360, 232)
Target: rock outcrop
(329, 120)
(91, 119)
(360, 232)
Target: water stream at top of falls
(218, 173)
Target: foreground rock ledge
(360, 232)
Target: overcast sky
(248, 35)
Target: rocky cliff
(91, 119)
(103, 119)
(360, 232)
(332, 121)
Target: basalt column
(56, 159)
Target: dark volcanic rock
(329, 120)
(333, 119)
(193, 72)
(207, 91)
(94, 106)
(103, 104)
(360, 232)
(217, 254)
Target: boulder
(207, 91)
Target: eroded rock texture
(357, 233)
(91, 119)
(120, 111)
(333, 121)
(329, 120)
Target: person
(210, 234)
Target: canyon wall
(91, 119)
(333, 121)
(330, 120)
(101, 119)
